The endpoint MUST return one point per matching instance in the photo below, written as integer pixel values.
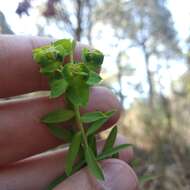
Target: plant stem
(80, 125)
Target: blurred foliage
(162, 147)
(148, 25)
(23, 8)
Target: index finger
(19, 73)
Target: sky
(180, 11)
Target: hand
(23, 137)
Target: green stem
(80, 125)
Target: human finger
(23, 135)
(19, 73)
(118, 175)
(42, 169)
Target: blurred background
(147, 64)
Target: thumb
(118, 175)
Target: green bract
(72, 81)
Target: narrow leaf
(116, 155)
(92, 143)
(92, 116)
(58, 87)
(95, 126)
(56, 181)
(146, 178)
(110, 140)
(109, 113)
(93, 164)
(78, 166)
(112, 151)
(58, 116)
(60, 132)
(93, 78)
(61, 178)
(72, 154)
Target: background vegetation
(143, 53)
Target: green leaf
(110, 152)
(64, 46)
(98, 122)
(51, 67)
(92, 144)
(60, 132)
(116, 155)
(146, 178)
(92, 58)
(58, 116)
(78, 90)
(93, 164)
(92, 116)
(110, 140)
(58, 87)
(95, 126)
(75, 72)
(46, 54)
(72, 153)
(135, 163)
(97, 56)
(78, 166)
(61, 178)
(39, 55)
(57, 181)
(93, 78)
(109, 113)
(78, 93)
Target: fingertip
(118, 175)
(127, 154)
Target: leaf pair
(90, 156)
(109, 150)
(98, 119)
(90, 153)
(56, 117)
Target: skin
(23, 139)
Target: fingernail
(118, 176)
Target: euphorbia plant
(72, 81)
